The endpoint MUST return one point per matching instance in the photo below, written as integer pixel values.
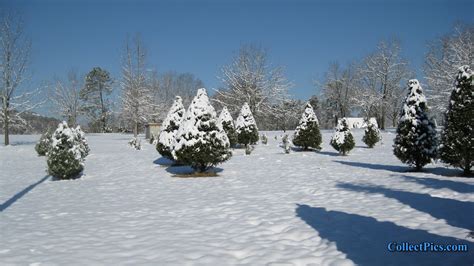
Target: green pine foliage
(372, 135)
(457, 139)
(67, 153)
(44, 144)
(342, 140)
(246, 128)
(307, 133)
(416, 140)
(200, 141)
(225, 119)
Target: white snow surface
(302, 208)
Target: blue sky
(201, 36)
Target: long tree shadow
(440, 184)
(20, 194)
(365, 240)
(393, 168)
(164, 162)
(328, 153)
(456, 213)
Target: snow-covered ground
(267, 208)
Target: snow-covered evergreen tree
(286, 143)
(246, 128)
(170, 128)
(81, 138)
(67, 153)
(372, 134)
(135, 143)
(416, 141)
(200, 141)
(307, 133)
(44, 143)
(342, 140)
(457, 140)
(225, 119)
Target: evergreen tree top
(225, 116)
(415, 102)
(308, 114)
(245, 118)
(342, 125)
(174, 115)
(464, 75)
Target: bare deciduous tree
(249, 78)
(137, 99)
(14, 59)
(442, 61)
(382, 74)
(65, 96)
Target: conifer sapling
(342, 140)
(44, 143)
(416, 141)
(170, 128)
(307, 133)
(227, 122)
(246, 128)
(457, 139)
(372, 134)
(200, 141)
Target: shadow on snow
(164, 161)
(455, 213)
(20, 194)
(188, 170)
(365, 240)
(393, 168)
(459, 187)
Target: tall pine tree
(225, 119)
(457, 139)
(416, 141)
(307, 133)
(246, 128)
(200, 141)
(97, 87)
(170, 127)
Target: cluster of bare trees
(371, 87)
(374, 86)
(250, 78)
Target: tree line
(369, 87)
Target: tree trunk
(6, 126)
(135, 129)
(467, 170)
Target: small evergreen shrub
(135, 143)
(169, 128)
(342, 140)
(264, 139)
(307, 133)
(245, 127)
(44, 144)
(372, 135)
(67, 153)
(200, 141)
(227, 122)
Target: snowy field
(269, 208)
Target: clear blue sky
(201, 36)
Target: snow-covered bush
(44, 143)
(457, 139)
(135, 143)
(342, 140)
(264, 139)
(246, 128)
(416, 141)
(307, 133)
(286, 143)
(170, 128)
(200, 141)
(372, 135)
(227, 122)
(67, 153)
